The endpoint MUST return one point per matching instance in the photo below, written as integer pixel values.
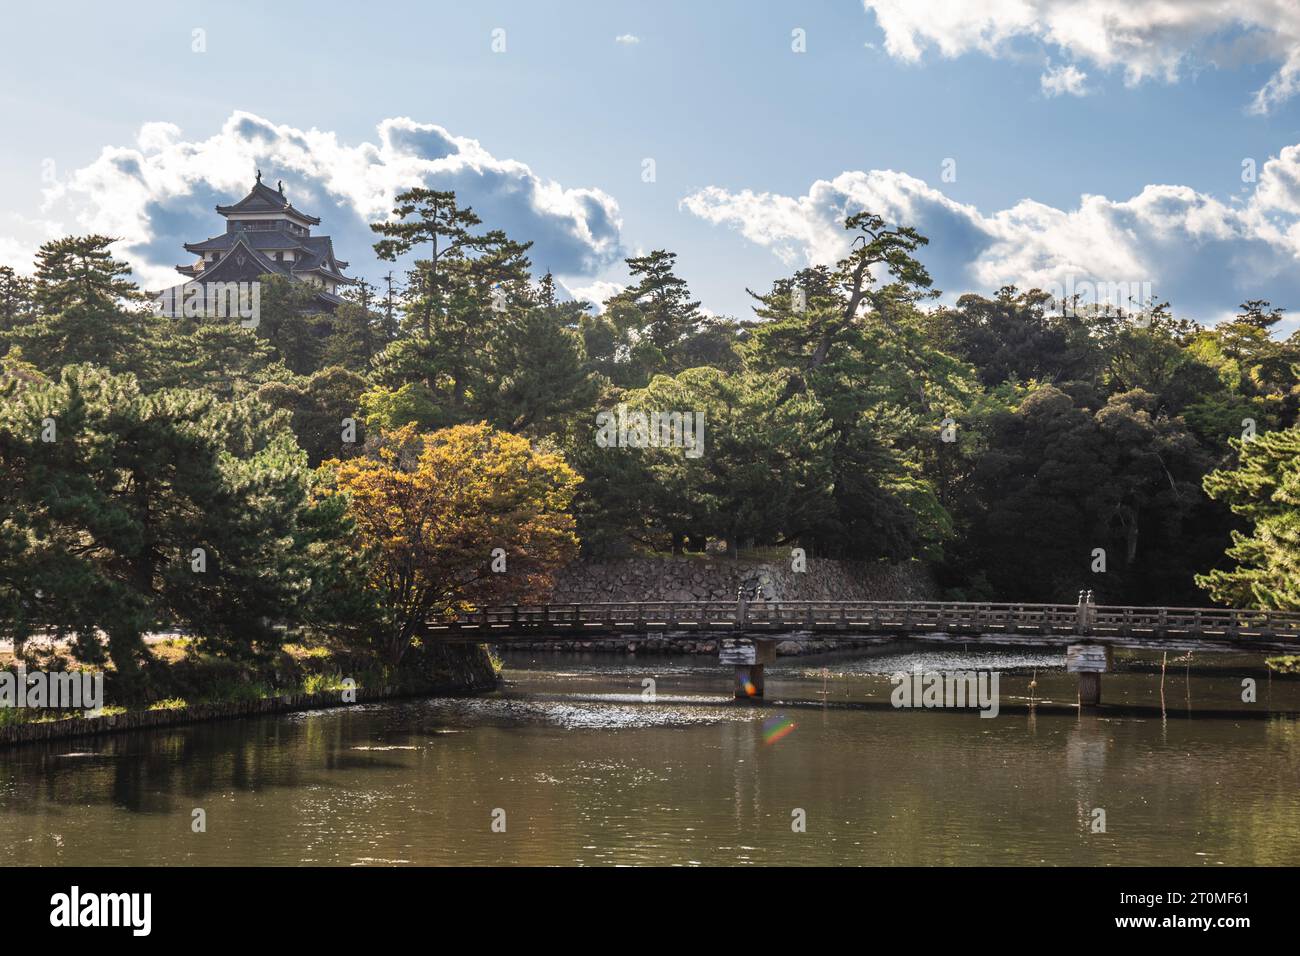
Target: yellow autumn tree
(430, 511)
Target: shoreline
(18, 735)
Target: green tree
(1148, 351)
(17, 299)
(87, 308)
(455, 299)
(292, 323)
(537, 374)
(1259, 314)
(143, 509)
(886, 392)
(1253, 366)
(759, 474)
(387, 409)
(1058, 480)
(457, 255)
(1014, 336)
(216, 355)
(321, 405)
(1264, 489)
(656, 318)
(808, 314)
(358, 332)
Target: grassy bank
(1287, 664)
(179, 675)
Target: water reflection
(588, 772)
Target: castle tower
(266, 235)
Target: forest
(433, 444)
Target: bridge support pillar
(1089, 690)
(1089, 661)
(749, 658)
(749, 681)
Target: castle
(266, 235)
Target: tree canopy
(453, 518)
(352, 472)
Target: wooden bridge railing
(875, 616)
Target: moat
(572, 762)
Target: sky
(1136, 145)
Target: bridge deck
(811, 620)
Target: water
(587, 772)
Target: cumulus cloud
(1067, 79)
(1143, 38)
(595, 292)
(21, 236)
(1204, 254)
(627, 39)
(159, 192)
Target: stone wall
(717, 579)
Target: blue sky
(756, 147)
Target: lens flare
(774, 728)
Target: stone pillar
(1089, 661)
(749, 682)
(748, 657)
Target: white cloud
(627, 39)
(1204, 254)
(21, 236)
(160, 192)
(596, 292)
(1143, 38)
(1066, 79)
(17, 254)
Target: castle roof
(261, 228)
(242, 262)
(271, 240)
(264, 199)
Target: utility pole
(388, 305)
(364, 289)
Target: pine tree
(319, 404)
(1259, 313)
(358, 331)
(658, 308)
(136, 510)
(88, 308)
(538, 374)
(220, 356)
(457, 256)
(1264, 488)
(290, 322)
(455, 297)
(17, 299)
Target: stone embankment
(718, 579)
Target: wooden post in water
(1089, 661)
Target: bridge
(748, 631)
